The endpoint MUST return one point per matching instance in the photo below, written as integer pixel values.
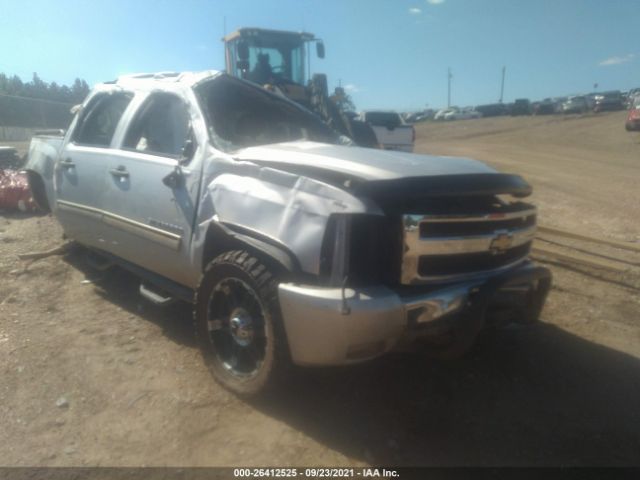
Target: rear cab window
(383, 119)
(161, 127)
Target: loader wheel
(238, 324)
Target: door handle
(120, 171)
(67, 163)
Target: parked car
(633, 118)
(521, 106)
(558, 101)
(427, 114)
(606, 101)
(440, 114)
(575, 104)
(462, 114)
(633, 93)
(417, 117)
(493, 109)
(591, 99)
(412, 117)
(390, 130)
(544, 107)
(292, 246)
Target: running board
(154, 296)
(97, 261)
(166, 286)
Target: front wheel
(238, 323)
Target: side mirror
(243, 50)
(320, 49)
(175, 179)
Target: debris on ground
(59, 250)
(10, 159)
(15, 193)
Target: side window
(100, 119)
(161, 127)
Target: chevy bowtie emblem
(501, 243)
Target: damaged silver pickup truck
(294, 246)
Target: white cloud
(415, 11)
(615, 60)
(350, 87)
(435, 2)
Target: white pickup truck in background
(391, 131)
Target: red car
(633, 119)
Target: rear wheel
(238, 324)
(38, 191)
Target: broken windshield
(241, 115)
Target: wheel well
(220, 239)
(36, 184)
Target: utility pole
(504, 69)
(449, 77)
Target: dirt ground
(94, 375)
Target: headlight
(363, 248)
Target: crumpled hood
(362, 163)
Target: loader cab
(270, 56)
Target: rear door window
(100, 118)
(161, 127)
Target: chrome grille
(442, 247)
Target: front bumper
(332, 326)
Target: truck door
(152, 188)
(81, 166)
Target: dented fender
(290, 210)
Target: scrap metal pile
(14, 185)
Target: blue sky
(387, 53)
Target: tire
(239, 325)
(38, 191)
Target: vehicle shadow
(118, 286)
(526, 396)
